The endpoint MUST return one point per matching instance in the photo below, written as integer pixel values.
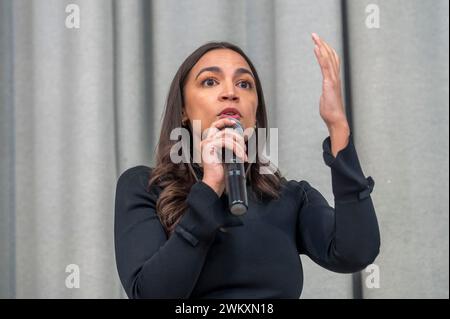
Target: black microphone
(235, 180)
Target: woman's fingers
(338, 61)
(322, 56)
(212, 149)
(232, 135)
(332, 56)
(218, 125)
(220, 129)
(327, 58)
(232, 140)
(231, 145)
(218, 136)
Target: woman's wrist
(217, 188)
(339, 136)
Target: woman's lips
(235, 116)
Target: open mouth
(232, 115)
(230, 112)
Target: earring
(184, 120)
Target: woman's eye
(245, 85)
(209, 82)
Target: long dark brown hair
(176, 179)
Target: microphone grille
(238, 125)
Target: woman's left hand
(331, 103)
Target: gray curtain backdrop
(79, 106)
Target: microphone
(235, 180)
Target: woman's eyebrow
(216, 69)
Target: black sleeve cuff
(348, 180)
(205, 215)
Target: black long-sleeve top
(214, 254)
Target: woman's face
(221, 79)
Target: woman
(174, 234)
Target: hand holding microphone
(219, 175)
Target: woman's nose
(229, 96)
(229, 92)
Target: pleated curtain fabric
(80, 105)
